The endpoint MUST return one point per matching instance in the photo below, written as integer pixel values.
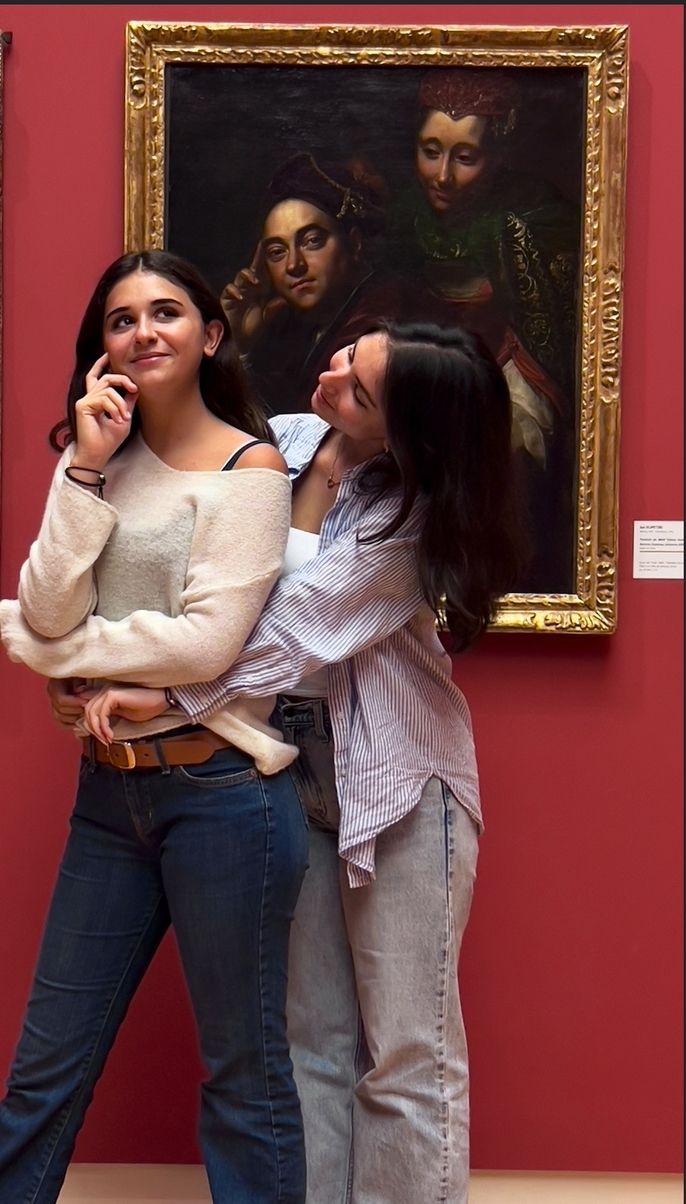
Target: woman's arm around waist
(348, 598)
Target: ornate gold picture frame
(480, 174)
(5, 40)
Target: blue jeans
(218, 851)
(374, 1018)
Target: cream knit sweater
(159, 585)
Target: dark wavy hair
(223, 385)
(448, 417)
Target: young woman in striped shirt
(401, 505)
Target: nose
(296, 265)
(337, 371)
(145, 329)
(443, 175)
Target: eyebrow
(300, 233)
(463, 145)
(122, 309)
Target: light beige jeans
(374, 1017)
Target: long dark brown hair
(448, 418)
(223, 385)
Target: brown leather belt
(193, 748)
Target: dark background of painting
(229, 128)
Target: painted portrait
(321, 199)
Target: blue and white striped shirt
(396, 716)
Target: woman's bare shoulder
(262, 455)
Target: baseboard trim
(118, 1183)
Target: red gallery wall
(571, 968)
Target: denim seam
(136, 795)
(60, 1125)
(357, 1066)
(265, 1062)
(443, 993)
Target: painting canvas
(326, 179)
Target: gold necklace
(331, 483)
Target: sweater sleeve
(56, 582)
(350, 596)
(236, 554)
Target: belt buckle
(124, 757)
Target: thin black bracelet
(97, 485)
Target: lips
(320, 395)
(302, 284)
(150, 357)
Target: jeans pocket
(215, 775)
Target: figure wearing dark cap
(312, 286)
(501, 250)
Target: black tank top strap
(232, 459)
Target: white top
(160, 584)
(302, 547)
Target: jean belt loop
(160, 754)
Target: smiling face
(306, 253)
(349, 395)
(450, 157)
(154, 333)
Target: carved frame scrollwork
(602, 53)
(5, 41)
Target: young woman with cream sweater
(164, 531)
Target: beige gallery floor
(118, 1184)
